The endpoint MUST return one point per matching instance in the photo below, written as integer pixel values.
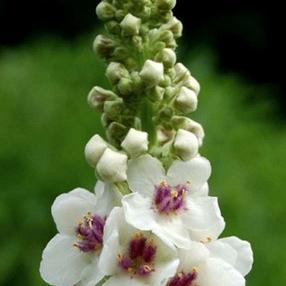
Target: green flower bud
(98, 96)
(182, 73)
(94, 150)
(105, 11)
(167, 57)
(186, 101)
(175, 26)
(130, 25)
(193, 84)
(105, 120)
(113, 27)
(166, 4)
(135, 142)
(186, 145)
(125, 86)
(182, 122)
(116, 133)
(113, 109)
(116, 71)
(165, 114)
(152, 73)
(103, 46)
(156, 93)
(119, 15)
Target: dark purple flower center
(184, 279)
(139, 258)
(90, 233)
(169, 199)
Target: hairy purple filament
(169, 200)
(139, 258)
(184, 279)
(90, 233)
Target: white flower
(152, 72)
(94, 150)
(172, 205)
(223, 262)
(130, 25)
(134, 257)
(186, 144)
(186, 100)
(72, 255)
(135, 142)
(112, 166)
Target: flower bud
(94, 149)
(103, 46)
(167, 57)
(116, 132)
(125, 86)
(156, 93)
(166, 4)
(112, 166)
(105, 11)
(182, 73)
(116, 71)
(98, 96)
(152, 72)
(130, 25)
(113, 109)
(175, 26)
(182, 122)
(186, 100)
(193, 84)
(135, 142)
(186, 145)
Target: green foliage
(45, 123)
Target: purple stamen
(139, 258)
(184, 279)
(169, 200)
(90, 233)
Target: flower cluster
(150, 220)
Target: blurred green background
(45, 123)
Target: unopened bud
(193, 84)
(156, 93)
(116, 71)
(130, 25)
(112, 166)
(187, 100)
(105, 11)
(167, 57)
(186, 145)
(166, 4)
(116, 132)
(152, 72)
(135, 142)
(103, 46)
(182, 73)
(182, 122)
(125, 86)
(98, 96)
(113, 109)
(94, 149)
(175, 26)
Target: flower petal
(191, 257)
(144, 173)
(201, 192)
(166, 263)
(203, 218)
(91, 275)
(68, 209)
(219, 249)
(138, 212)
(195, 172)
(244, 259)
(121, 280)
(107, 197)
(62, 264)
(217, 272)
(172, 230)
